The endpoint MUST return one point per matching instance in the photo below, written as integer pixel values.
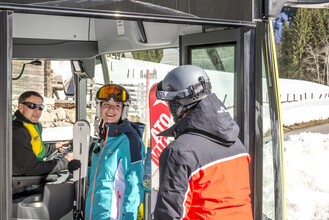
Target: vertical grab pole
(5, 115)
(81, 141)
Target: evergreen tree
(148, 55)
(285, 52)
(303, 52)
(318, 32)
(300, 31)
(325, 17)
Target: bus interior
(95, 43)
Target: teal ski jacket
(116, 175)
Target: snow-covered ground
(306, 154)
(307, 177)
(311, 101)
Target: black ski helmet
(183, 87)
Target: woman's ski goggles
(118, 93)
(33, 105)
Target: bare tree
(313, 64)
(317, 62)
(324, 45)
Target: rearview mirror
(85, 69)
(69, 87)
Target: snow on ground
(291, 89)
(303, 101)
(304, 111)
(306, 154)
(307, 176)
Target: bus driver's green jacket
(29, 151)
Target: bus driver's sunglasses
(33, 105)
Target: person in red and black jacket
(204, 173)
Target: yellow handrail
(278, 99)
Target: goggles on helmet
(202, 86)
(172, 95)
(118, 93)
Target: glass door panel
(219, 63)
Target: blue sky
(278, 26)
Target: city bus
(231, 39)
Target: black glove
(74, 165)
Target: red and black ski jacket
(204, 173)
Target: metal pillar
(80, 98)
(106, 73)
(6, 46)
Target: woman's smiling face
(111, 111)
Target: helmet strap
(96, 124)
(182, 109)
(101, 129)
(97, 118)
(124, 112)
(179, 112)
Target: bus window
(47, 78)
(219, 62)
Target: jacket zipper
(118, 205)
(92, 195)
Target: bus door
(218, 53)
(236, 61)
(223, 55)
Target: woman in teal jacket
(116, 174)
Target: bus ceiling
(67, 37)
(44, 36)
(66, 30)
(210, 11)
(272, 8)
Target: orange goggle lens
(118, 93)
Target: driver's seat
(37, 197)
